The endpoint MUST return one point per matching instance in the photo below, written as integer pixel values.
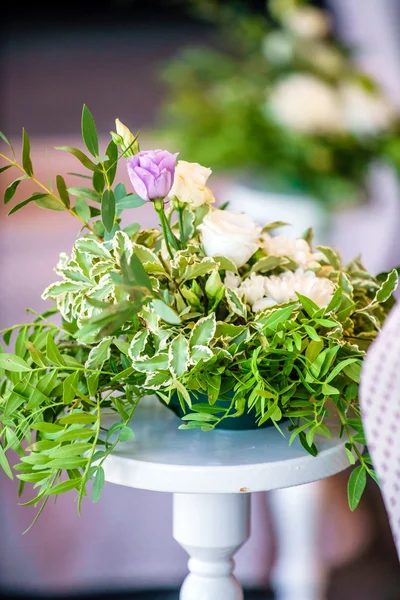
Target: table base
(211, 528)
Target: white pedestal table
(211, 475)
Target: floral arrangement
(208, 311)
(284, 101)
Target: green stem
(181, 227)
(164, 225)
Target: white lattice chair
(380, 405)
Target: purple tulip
(152, 173)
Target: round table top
(163, 458)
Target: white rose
(297, 249)
(365, 112)
(305, 103)
(252, 288)
(230, 234)
(189, 184)
(308, 22)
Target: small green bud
(213, 285)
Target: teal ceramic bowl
(244, 422)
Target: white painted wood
(163, 458)
(299, 572)
(211, 475)
(211, 528)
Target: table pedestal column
(211, 528)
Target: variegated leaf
(203, 332)
(235, 303)
(99, 354)
(122, 246)
(198, 353)
(178, 355)
(138, 344)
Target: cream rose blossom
(280, 289)
(252, 289)
(230, 234)
(190, 184)
(308, 22)
(305, 103)
(365, 112)
(297, 249)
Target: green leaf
(34, 477)
(329, 390)
(85, 192)
(98, 484)
(341, 366)
(72, 435)
(99, 354)
(47, 201)
(312, 333)
(3, 137)
(309, 306)
(165, 312)
(279, 316)
(352, 370)
(82, 209)
(4, 463)
(62, 190)
(198, 353)
(111, 164)
(46, 427)
(387, 287)
(52, 352)
(235, 303)
(2, 169)
(80, 156)
(89, 133)
(199, 269)
(75, 462)
(203, 332)
(13, 363)
(125, 434)
(129, 201)
(356, 486)
(158, 362)
(108, 210)
(225, 264)
(70, 450)
(69, 387)
(65, 486)
(332, 257)
(132, 229)
(26, 154)
(268, 263)
(313, 350)
(179, 355)
(78, 418)
(140, 275)
(12, 188)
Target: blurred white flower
(280, 289)
(305, 103)
(230, 234)
(308, 22)
(277, 47)
(365, 112)
(295, 248)
(189, 184)
(252, 289)
(325, 58)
